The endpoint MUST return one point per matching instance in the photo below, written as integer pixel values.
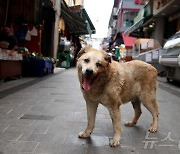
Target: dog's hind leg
(152, 106)
(137, 110)
(91, 116)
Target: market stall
(10, 63)
(148, 50)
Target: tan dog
(112, 84)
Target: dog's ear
(107, 58)
(82, 51)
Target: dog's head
(91, 63)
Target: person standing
(7, 39)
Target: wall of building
(56, 27)
(20, 11)
(159, 30)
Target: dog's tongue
(86, 84)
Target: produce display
(10, 55)
(32, 64)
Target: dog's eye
(98, 64)
(86, 60)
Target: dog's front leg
(116, 121)
(91, 115)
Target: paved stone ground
(45, 116)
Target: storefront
(74, 22)
(35, 26)
(28, 23)
(158, 20)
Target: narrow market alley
(46, 117)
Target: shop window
(128, 17)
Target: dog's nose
(89, 71)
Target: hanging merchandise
(28, 36)
(21, 33)
(34, 31)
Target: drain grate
(37, 117)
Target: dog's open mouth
(87, 82)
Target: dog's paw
(153, 129)
(114, 143)
(129, 124)
(84, 135)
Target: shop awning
(128, 40)
(79, 23)
(134, 27)
(90, 26)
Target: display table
(10, 68)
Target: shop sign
(141, 2)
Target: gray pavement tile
(46, 100)
(10, 136)
(107, 150)
(13, 119)
(18, 110)
(21, 147)
(84, 149)
(59, 94)
(38, 108)
(3, 145)
(38, 128)
(9, 103)
(60, 149)
(48, 139)
(22, 85)
(65, 128)
(37, 117)
(5, 110)
(13, 83)
(59, 100)
(158, 151)
(3, 127)
(93, 140)
(50, 87)
(17, 129)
